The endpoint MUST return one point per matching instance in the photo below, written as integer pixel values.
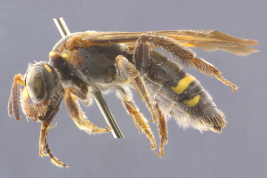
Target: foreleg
(71, 97)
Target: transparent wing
(208, 40)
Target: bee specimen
(85, 62)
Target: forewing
(208, 40)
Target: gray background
(27, 34)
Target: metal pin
(61, 26)
(107, 115)
(64, 31)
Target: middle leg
(137, 81)
(137, 117)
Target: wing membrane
(208, 40)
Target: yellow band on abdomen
(183, 84)
(193, 101)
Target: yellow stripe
(53, 54)
(65, 56)
(193, 101)
(183, 84)
(188, 45)
(47, 68)
(25, 94)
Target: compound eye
(36, 85)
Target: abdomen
(180, 95)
